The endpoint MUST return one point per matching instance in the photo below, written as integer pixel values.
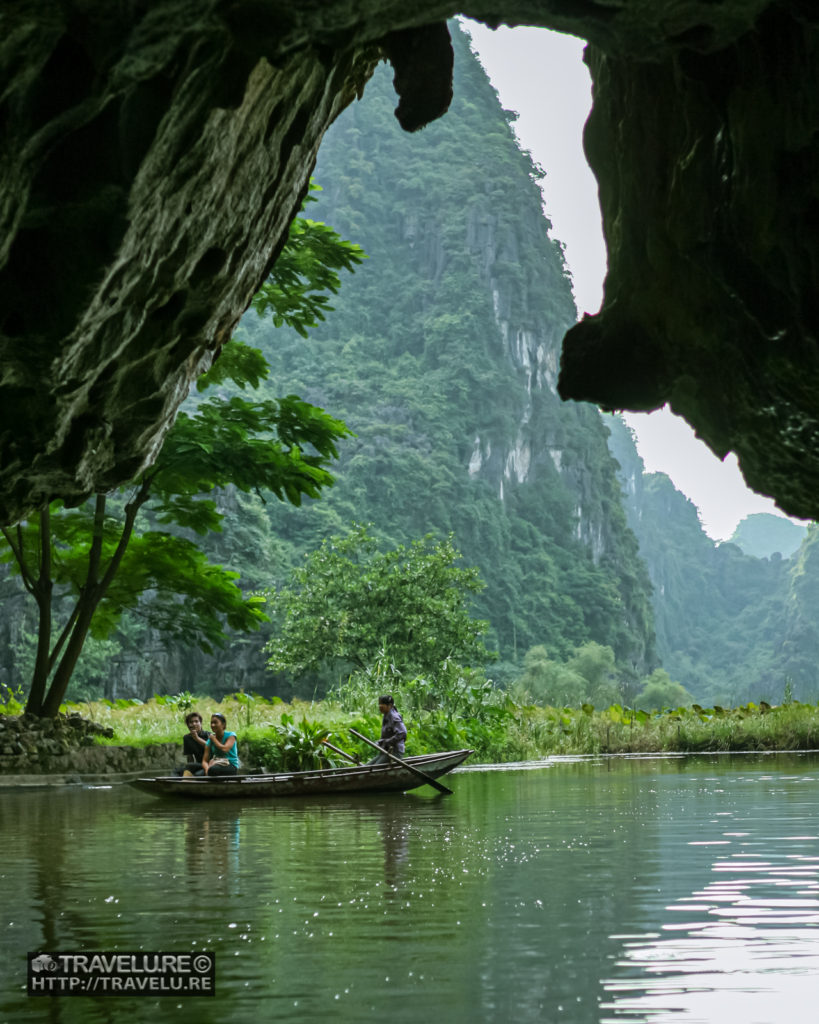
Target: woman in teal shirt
(221, 754)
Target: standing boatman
(393, 731)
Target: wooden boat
(379, 778)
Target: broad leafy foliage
(306, 270)
(348, 600)
(135, 549)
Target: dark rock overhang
(155, 153)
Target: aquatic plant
(295, 746)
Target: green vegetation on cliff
(441, 355)
(731, 627)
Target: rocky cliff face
(155, 153)
(442, 354)
(153, 160)
(544, 436)
(710, 207)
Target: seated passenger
(193, 745)
(221, 753)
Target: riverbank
(694, 729)
(73, 748)
(123, 736)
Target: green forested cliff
(730, 627)
(442, 356)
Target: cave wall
(152, 166)
(154, 153)
(710, 204)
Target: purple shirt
(393, 732)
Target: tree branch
(131, 512)
(19, 557)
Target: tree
(94, 559)
(348, 601)
(589, 675)
(596, 665)
(106, 564)
(660, 691)
(549, 682)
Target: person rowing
(393, 731)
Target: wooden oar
(410, 767)
(338, 750)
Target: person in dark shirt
(393, 731)
(193, 744)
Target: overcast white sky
(541, 75)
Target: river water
(590, 890)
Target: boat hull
(353, 779)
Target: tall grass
(523, 732)
(162, 720)
(618, 730)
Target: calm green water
(657, 890)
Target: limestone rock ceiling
(154, 153)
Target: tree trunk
(65, 669)
(92, 593)
(41, 588)
(40, 674)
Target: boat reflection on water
(213, 841)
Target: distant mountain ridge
(763, 534)
(730, 626)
